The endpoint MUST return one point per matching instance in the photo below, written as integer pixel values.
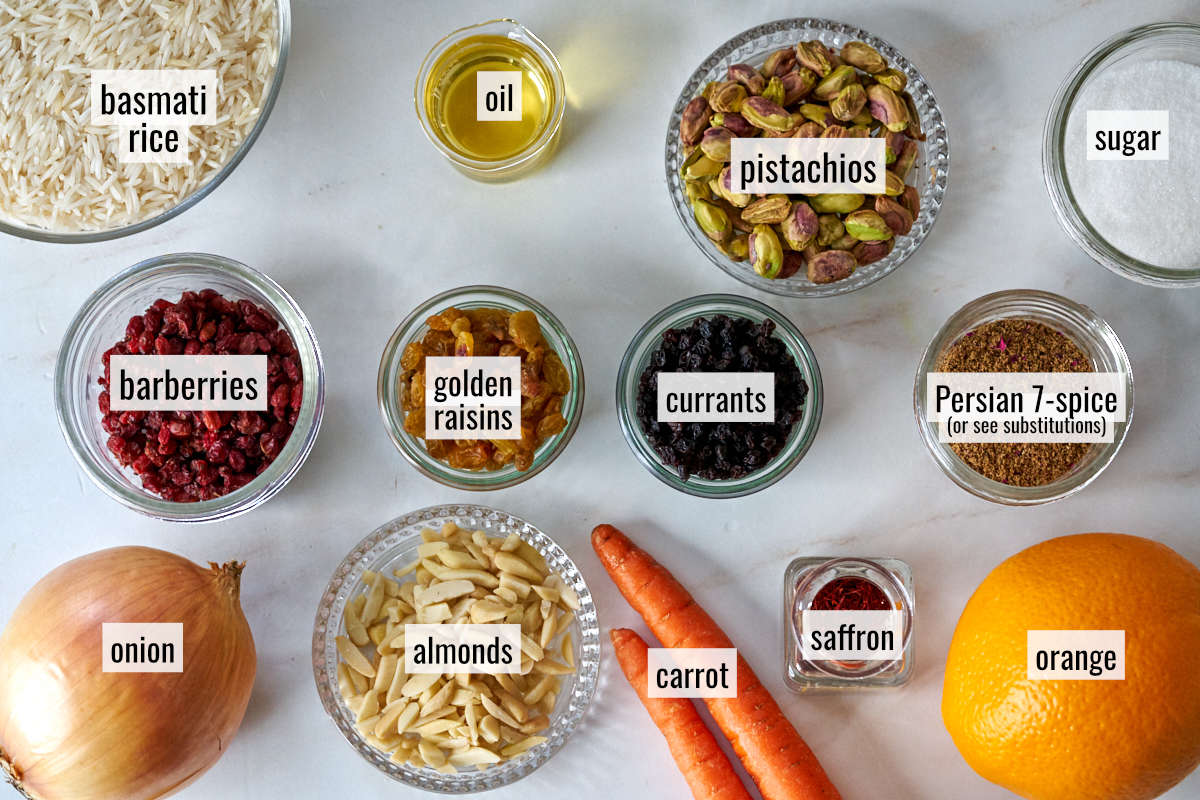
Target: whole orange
(1080, 739)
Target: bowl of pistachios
(807, 79)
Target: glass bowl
(536, 153)
(1168, 40)
(283, 12)
(413, 328)
(933, 161)
(803, 580)
(101, 322)
(637, 358)
(1079, 323)
(393, 545)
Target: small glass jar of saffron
(847, 584)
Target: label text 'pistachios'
(808, 166)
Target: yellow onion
(69, 730)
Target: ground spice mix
(1017, 345)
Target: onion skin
(69, 731)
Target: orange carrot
(705, 768)
(773, 753)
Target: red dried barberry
(185, 456)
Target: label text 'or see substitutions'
(461, 648)
(691, 672)
(153, 110)
(1023, 407)
(1080, 655)
(142, 646)
(473, 397)
(188, 383)
(498, 95)
(852, 635)
(716, 397)
(808, 166)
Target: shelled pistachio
(809, 91)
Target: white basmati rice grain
(60, 173)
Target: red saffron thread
(850, 594)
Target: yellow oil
(450, 98)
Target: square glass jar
(803, 579)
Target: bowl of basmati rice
(61, 178)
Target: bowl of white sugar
(1121, 154)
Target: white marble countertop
(345, 203)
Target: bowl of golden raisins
(453, 374)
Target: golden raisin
(412, 355)
(464, 344)
(438, 343)
(524, 330)
(556, 374)
(416, 391)
(474, 456)
(489, 332)
(551, 425)
(534, 359)
(490, 322)
(414, 422)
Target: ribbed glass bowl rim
(935, 155)
(411, 448)
(1054, 164)
(286, 464)
(284, 12)
(679, 313)
(1021, 303)
(385, 541)
(544, 141)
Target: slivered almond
(543, 686)
(522, 746)
(551, 667)
(458, 559)
(509, 562)
(474, 756)
(354, 625)
(489, 729)
(547, 593)
(485, 611)
(417, 684)
(370, 611)
(456, 720)
(498, 712)
(531, 648)
(354, 657)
